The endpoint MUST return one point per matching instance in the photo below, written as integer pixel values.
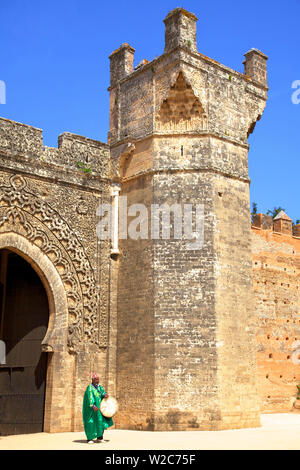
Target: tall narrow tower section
(185, 357)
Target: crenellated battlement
(74, 152)
(20, 139)
(231, 102)
(282, 224)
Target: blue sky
(54, 62)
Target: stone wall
(276, 278)
(136, 334)
(48, 202)
(186, 359)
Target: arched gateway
(24, 322)
(54, 273)
(32, 304)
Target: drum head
(109, 407)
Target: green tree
(275, 211)
(254, 210)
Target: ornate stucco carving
(181, 110)
(23, 212)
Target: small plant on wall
(82, 166)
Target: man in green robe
(94, 422)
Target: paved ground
(278, 431)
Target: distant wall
(276, 277)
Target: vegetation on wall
(82, 166)
(272, 212)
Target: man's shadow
(84, 441)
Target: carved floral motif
(23, 212)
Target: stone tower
(185, 355)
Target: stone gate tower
(185, 355)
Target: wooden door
(24, 319)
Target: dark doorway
(24, 321)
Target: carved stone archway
(23, 212)
(56, 336)
(55, 340)
(31, 227)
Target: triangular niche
(181, 110)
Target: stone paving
(278, 431)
